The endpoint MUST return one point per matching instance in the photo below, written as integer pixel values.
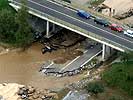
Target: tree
(8, 26)
(125, 57)
(23, 35)
(3, 4)
(95, 87)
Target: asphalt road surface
(50, 67)
(70, 16)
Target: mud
(23, 68)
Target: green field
(120, 75)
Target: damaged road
(72, 67)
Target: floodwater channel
(23, 68)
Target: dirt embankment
(120, 9)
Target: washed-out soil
(68, 42)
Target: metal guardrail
(73, 27)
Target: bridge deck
(69, 16)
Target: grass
(111, 94)
(96, 2)
(120, 75)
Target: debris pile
(31, 93)
(54, 72)
(63, 39)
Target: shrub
(3, 4)
(96, 2)
(8, 26)
(95, 87)
(120, 76)
(116, 98)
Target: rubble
(87, 66)
(31, 93)
(62, 40)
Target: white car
(129, 33)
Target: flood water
(22, 68)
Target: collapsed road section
(72, 67)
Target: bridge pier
(106, 52)
(50, 29)
(53, 27)
(103, 52)
(47, 29)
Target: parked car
(83, 14)
(116, 27)
(129, 33)
(101, 21)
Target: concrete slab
(73, 65)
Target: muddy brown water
(22, 68)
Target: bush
(116, 98)
(120, 75)
(14, 28)
(95, 87)
(96, 2)
(3, 4)
(8, 26)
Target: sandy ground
(128, 20)
(9, 91)
(119, 5)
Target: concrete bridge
(67, 18)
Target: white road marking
(90, 58)
(69, 64)
(47, 67)
(61, 5)
(54, 3)
(79, 20)
(40, 16)
(50, 65)
(85, 51)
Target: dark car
(83, 14)
(101, 21)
